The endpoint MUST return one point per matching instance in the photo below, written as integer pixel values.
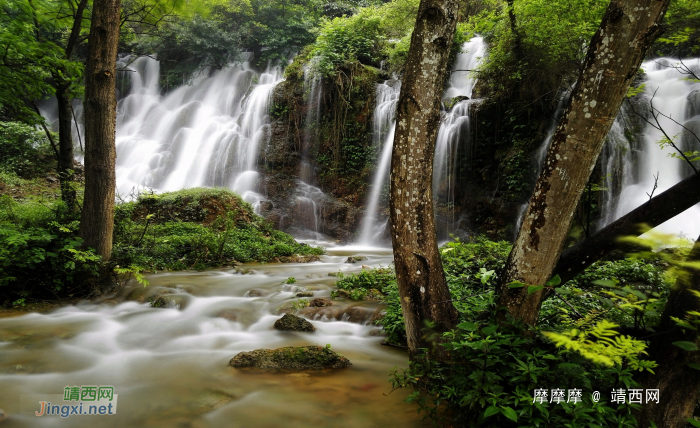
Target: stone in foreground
(291, 322)
(291, 358)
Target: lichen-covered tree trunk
(425, 297)
(97, 221)
(677, 382)
(615, 53)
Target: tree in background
(97, 219)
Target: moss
(291, 322)
(291, 358)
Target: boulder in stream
(320, 302)
(291, 358)
(355, 259)
(291, 322)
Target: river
(169, 366)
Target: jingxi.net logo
(80, 401)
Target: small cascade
(632, 169)
(455, 132)
(309, 204)
(383, 136)
(313, 94)
(205, 134)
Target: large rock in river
(291, 358)
(291, 322)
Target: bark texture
(421, 279)
(97, 220)
(615, 53)
(65, 146)
(663, 207)
(677, 383)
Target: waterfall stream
(454, 131)
(205, 134)
(630, 166)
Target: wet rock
(256, 293)
(300, 259)
(355, 259)
(320, 302)
(341, 294)
(353, 314)
(377, 332)
(291, 358)
(332, 274)
(291, 322)
(305, 294)
(229, 314)
(449, 104)
(172, 301)
(376, 316)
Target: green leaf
(510, 414)
(693, 366)
(693, 422)
(554, 281)
(516, 284)
(491, 411)
(468, 326)
(534, 288)
(606, 282)
(562, 291)
(686, 346)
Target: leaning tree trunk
(662, 207)
(65, 146)
(677, 382)
(97, 221)
(425, 298)
(616, 51)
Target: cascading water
(309, 199)
(677, 97)
(453, 131)
(206, 134)
(383, 136)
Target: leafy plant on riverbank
(195, 229)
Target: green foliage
(31, 43)
(290, 280)
(369, 283)
(24, 150)
(195, 229)
(603, 345)
(41, 261)
(494, 370)
(342, 40)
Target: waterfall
(383, 136)
(632, 167)
(453, 131)
(206, 134)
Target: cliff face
(319, 155)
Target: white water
(454, 131)
(383, 135)
(675, 97)
(169, 366)
(206, 134)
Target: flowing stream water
(169, 366)
(630, 166)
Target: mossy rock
(291, 322)
(291, 358)
(355, 259)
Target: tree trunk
(97, 221)
(425, 298)
(678, 384)
(663, 207)
(615, 53)
(65, 147)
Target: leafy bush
(43, 262)
(493, 373)
(195, 229)
(373, 283)
(24, 150)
